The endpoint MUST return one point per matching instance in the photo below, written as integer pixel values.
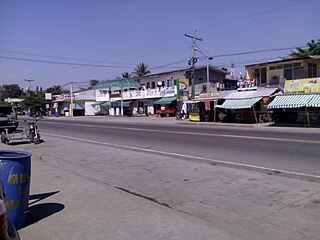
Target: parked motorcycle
(33, 132)
(181, 115)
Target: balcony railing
(139, 94)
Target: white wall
(88, 109)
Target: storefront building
(161, 94)
(300, 105)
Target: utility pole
(29, 84)
(193, 61)
(71, 100)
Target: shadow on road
(37, 212)
(41, 196)
(42, 211)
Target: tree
(126, 75)
(93, 82)
(34, 101)
(141, 70)
(55, 90)
(313, 48)
(10, 91)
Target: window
(169, 83)
(312, 70)
(288, 73)
(148, 85)
(261, 75)
(293, 71)
(153, 85)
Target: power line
(254, 52)
(254, 15)
(62, 63)
(67, 58)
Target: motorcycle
(33, 132)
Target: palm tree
(141, 70)
(93, 82)
(125, 75)
(313, 49)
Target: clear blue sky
(121, 33)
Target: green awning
(239, 103)
(165, 100)
(118, 83)
(293, 101)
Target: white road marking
(198, 134)
(235, 164)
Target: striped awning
(315, 101)
(239, 103)
(292, 101)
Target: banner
(306, 85)
(183, 89)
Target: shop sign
(183, 89)
(246, 85)
(209, 95)
(169, 91)
(306, 85)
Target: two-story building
(299, 80)
(79, 104)
(270, 74)
(166, 86)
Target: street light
(207, 59)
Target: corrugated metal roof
(126, 83)
(235, 94)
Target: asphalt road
(130, 178)
(282, 149)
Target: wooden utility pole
(193, 61)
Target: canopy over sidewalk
(239, 103)
(165, 100)
(295, 101)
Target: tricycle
(29, 133)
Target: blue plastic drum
(15, 173)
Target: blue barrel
(15, 173)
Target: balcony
(138, 94)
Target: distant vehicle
(8, 118)
(165, 110)
(7, 230)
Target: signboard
(306, 85)
(209, 95)
(183, 89)
(48, 96)
(246, 83)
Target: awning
(239, 103)
(315, 101)
(292, 101)
(165, 100)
